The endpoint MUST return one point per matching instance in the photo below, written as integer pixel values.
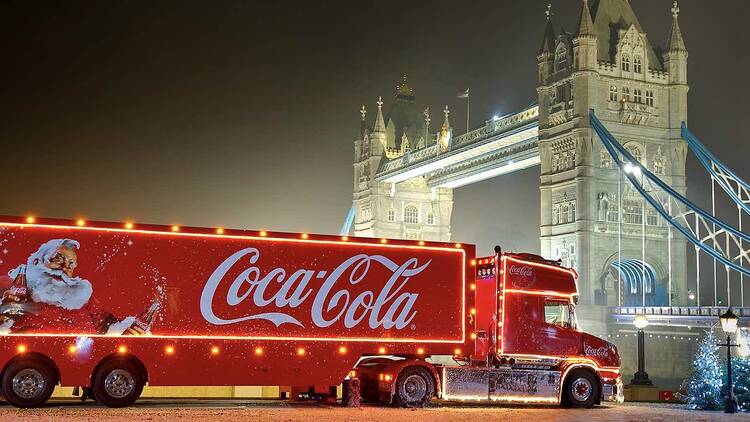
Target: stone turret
(378, 136)
(676, 56)
(584, 44)
(546, 56)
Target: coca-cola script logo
(523, 275)
(391, 307)
(600, 352)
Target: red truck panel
(292, 295)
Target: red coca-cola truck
(110, 307)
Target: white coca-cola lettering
(521, 271)
(600, 352)
(391, 307)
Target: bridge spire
(585, 24)
(379, 121)
(548, 44)
(446, 123)
(676, 43)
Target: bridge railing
(693, 311)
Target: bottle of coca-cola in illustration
(145, 320)
(15, 299)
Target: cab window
(557, 313)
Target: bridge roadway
(503, 145)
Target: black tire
(28, 382)
(581, 389)
(117, 383)
(415, 387)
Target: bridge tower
(587, 216)
(409, 209)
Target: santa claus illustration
(44, 296)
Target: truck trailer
(110, 307)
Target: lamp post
(641, 377)
(729, 325)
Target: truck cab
(525, 345)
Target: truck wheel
(581, 389)
(28, 383)
(117, 383)
(414, 387)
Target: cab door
(559, 324)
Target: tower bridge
(608, 105)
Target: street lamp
(641, 377)
(729, 325)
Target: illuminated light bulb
(129, 225)
(122, 349)
(258, 351)
(473, 336)
(420, 351)
(169, 350)
(381, 350)
(30, 219)
(342, 350)
(421, 243)
(175, 228)
(80, 222)
(305, 236)
(72, 348)
(473, 262)
(458, 245)
(214, 350)
(383, 240)
(352, 374)
(263, 233)
(473, 286)
(301, 351)
(473, 311)
(219, 231)
(345, 238)
(457, 352)
(21, 348)
(387, 377)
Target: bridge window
(652, 217)
(637, 64)
(605, 160)
(635, 151)
(625, 94)
(562, 58)
(391, 215)
(612, 93)
(430, 218)
(625, 63)
(637, 96)
(632, 212)
(613, 213)
(411, 214)
(650, 98)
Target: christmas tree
(704, 385)
(741, 376)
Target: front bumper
(612, 391)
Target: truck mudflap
(612, 391)
(501, 385)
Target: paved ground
(280, 411)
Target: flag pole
(467, 110)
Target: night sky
(243, 114)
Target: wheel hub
(28, 383)
(119, 383)
(414, 388)
(581, 389)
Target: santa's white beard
(54, 287)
